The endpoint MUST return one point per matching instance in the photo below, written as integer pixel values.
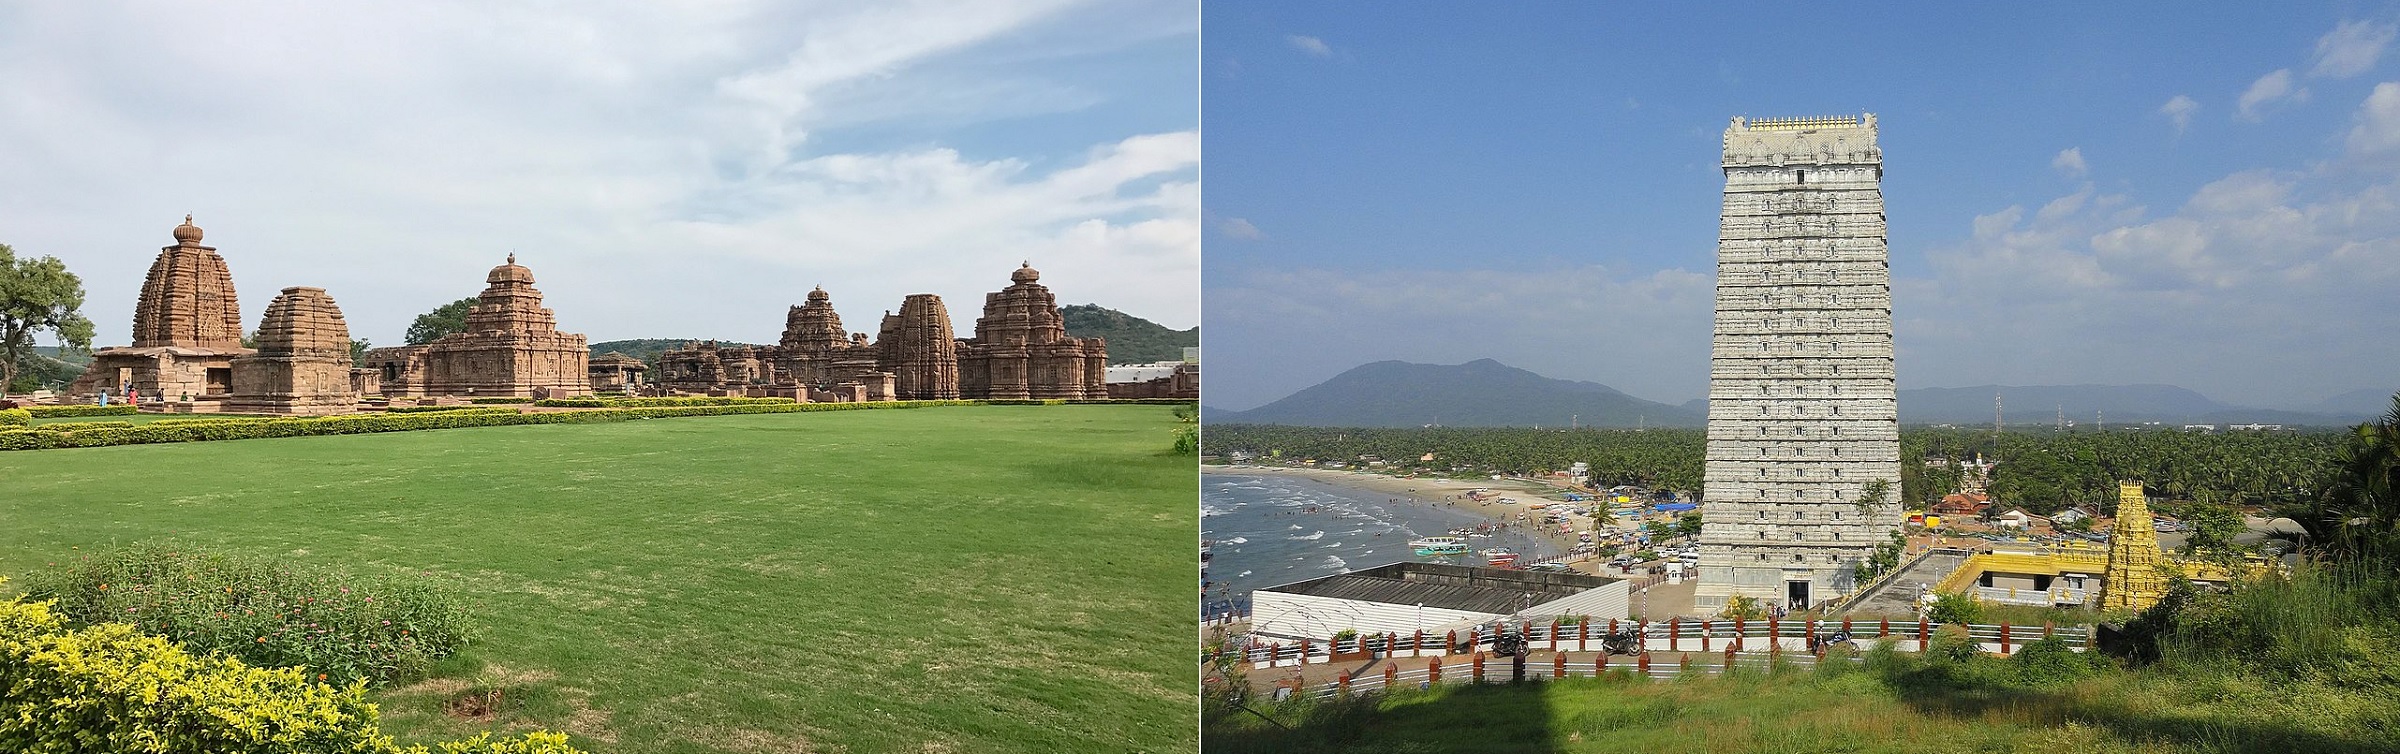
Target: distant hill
(2362, 404)
(1131, 339)
(1482, 393)
(648, 349)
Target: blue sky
(2129, 194)
(671, 170)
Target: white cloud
(2377, 133)
(2268, 90)
(2069, 163)
(2219, 295)
(1235, 227)
(1313, 46)
(667, 172)
(2351, 48)
(2179, 111)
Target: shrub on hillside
(1954, 608)
(56, 412)
(341, 626)
(111, 688)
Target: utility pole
(1574, 421)
(1995, 414)
(2100, 420)
(2062, 417)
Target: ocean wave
(1320, 534)
(1336, 544)
(1237, 540)
(1336, 563)
(1244, 573)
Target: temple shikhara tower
(303, 361)
(917, 348)
(1021, 348)
(1802, 421)
(187, 329)
(511, 347)
(2133, 581)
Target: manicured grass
(971, 579)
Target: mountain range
(1487, 393)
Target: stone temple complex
(1021, 348)
(187, 329)
(303, 361)
(511, 347)
(1802, 419)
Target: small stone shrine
(1021, 348)
(302, 365)
(187, 329)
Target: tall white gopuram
(1801, 414)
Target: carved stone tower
(303, 360)
(1802, 421)
(918, 349)
(188, 298)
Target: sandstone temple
(1020, 350)
(511, 347)
(1803, 464)
(187, 329)
(302, 365)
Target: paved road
(1898, 597)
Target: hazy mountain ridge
(1482, 393)
(1487, 393)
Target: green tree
(37, 295)
(358, 350)
(1954, 608)
(1688, 525)
(2358, 515)
(2213, 528)
(1743, 608)
(432, 325)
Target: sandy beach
(1436, 491)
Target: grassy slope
(959, 579)
(2118, 712)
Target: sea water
(1270, 529)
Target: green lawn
(973, 579)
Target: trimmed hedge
(423, 409)
(54, 412)
(15, 417)
(688, 400)
(496, 401)
(102, 434)
(112, 688)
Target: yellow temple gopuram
(2133, 581)
(2132, 574)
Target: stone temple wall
(303, 360)
(1802, 414)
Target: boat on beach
(1439, 545)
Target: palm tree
(2359, 514)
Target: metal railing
(1771, 636)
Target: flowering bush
(338, 625)
(109, 687)
(15, 417)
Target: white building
(1402, 598)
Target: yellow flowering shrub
(111, 688)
